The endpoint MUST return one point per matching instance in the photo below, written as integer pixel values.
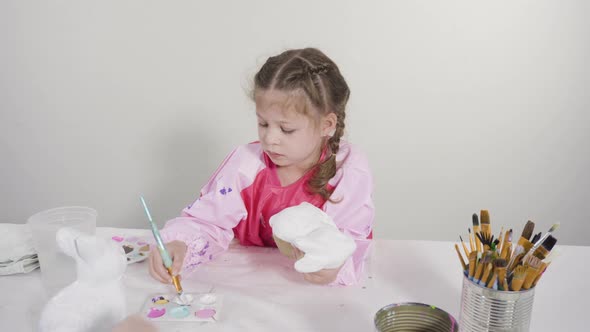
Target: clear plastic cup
(57, 269)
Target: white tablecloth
(262, 292)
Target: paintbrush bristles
(484, 216)
(483, 262)
(520, 272)
(527, 232)
(518, 279)
(515, 260)
(549, 243)
(486, 239)
(533, 261)
(500, 262)
(500, 267)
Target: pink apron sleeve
(206, 226)
(353, 212)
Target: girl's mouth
(274, 155)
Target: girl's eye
(264, 125)
(287, 131)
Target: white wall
(460, 105)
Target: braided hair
(318, 77)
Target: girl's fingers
(177, 260)
(157, 267)
(298, 253)
(151, 269)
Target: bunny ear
(88, 248)
(66, 241)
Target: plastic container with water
(57, 269)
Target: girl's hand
(321, 277)
(177, 251)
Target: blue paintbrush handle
(165, 256)
(163, 252)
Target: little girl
(300, 99)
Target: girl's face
(290, 138)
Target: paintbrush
(487, 258)
(500, 267)
(460, 257)
(523, 245)
(528, 229)
(495, 245)
(534, 265)
(471, 241)
(484, 216)
(486, 273)
(163, 252)
(538, 243)
(501, 239)
(493, 280)
(543, 251)
(486, 240)
(475, 221)
(506, 245)
(464, 246)
(518, 278)
(514, 262)
(472, 263)
(536, 237)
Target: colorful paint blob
(183, 299)
(208, 299)
(127, 248)
(160, 300)
(156, 312)
(180, 312)
(205, 313)
(188, 307)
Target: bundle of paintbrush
(498, 263)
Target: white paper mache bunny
(312, 231)
(95, 301)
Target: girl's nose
(271, 137)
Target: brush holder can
(486, 309)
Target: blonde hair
(310, 71)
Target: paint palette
(135, 248)
(203, 307)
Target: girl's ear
(328, 126)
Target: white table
(262, 292)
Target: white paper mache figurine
(312, 231)
(95, 301)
